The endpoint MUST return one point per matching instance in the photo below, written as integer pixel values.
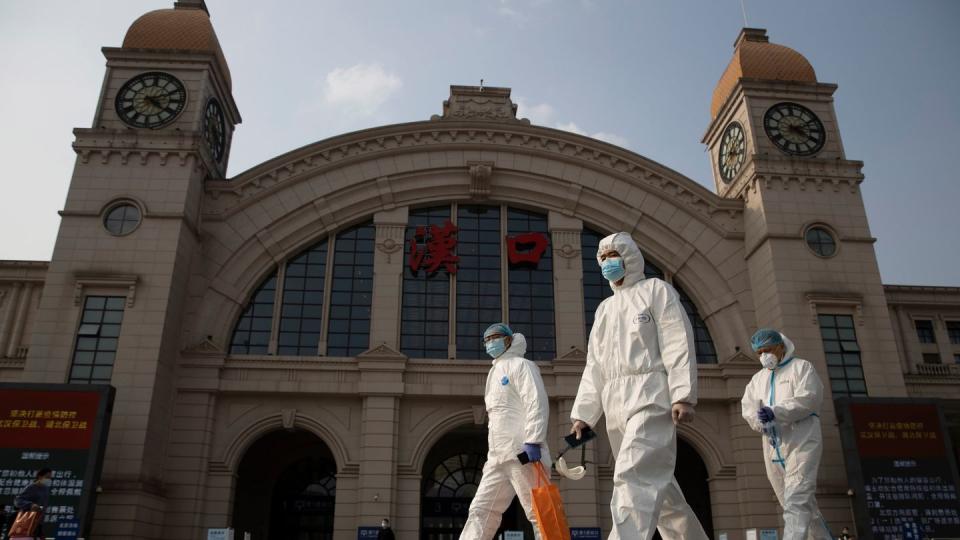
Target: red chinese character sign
(526, 248)
(439, 243)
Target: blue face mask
(613, 269)
(496, 347)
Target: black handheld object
(586, 434)
(524, 458)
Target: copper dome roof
(754, 57)
(179, 28)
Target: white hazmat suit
(640, 361)
(517, 413)
(794, 392)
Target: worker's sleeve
(588, 406)
(749, 406)
(535, 402)
(677, 345)
(806, 399)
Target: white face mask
(44, 481)
(769, 360)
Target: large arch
(256, 429)
(265, 214)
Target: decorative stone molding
(135, 147)
(566, 244)
(288, 419)
(850, 301)
(480, 173)
(229, 197)
(479, 103)
(205, 347)
(109, 281)
(479, 414)
(390, 239)
(382, 352)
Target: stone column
(20, 320)
(387, 278)
(10, 316)
(567, 282)
(911, 344)
(381, 384)
(943, 340)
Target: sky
(639, 74)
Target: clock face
(733, 150)
(151, 100)
(794, 129)
(213, 128)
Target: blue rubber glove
(765, 414)
(532, 451)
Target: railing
(948, 370)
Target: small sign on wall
(219, 534)
(512, 535)
(367, 533)
(768, 534)
(585, 533)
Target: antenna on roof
(743, 9)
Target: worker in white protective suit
(517, 417)
(642, 373)
(782, 401)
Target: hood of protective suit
(623, 244)
(788, 348)
(518, 348)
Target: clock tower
(113, 302)
(774, 143)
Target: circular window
(821, 241)
(122, 219)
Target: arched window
(308, 308)
(252, 333)
(596, 288)
(486, 238)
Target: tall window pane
(843, 355)
(925, 331)
(425, 321)
(706, 352)
(352, 290)
(301, 314)
(252, 334)
(478, 277)
(953, 332)
(96, 346)
(531, 287)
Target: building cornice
(229, 197)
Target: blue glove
(765, 414)
(532, 451)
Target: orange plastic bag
(26, 524)
(548, 508)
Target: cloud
(361, 88)
(543, 114)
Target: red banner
(31, 419)
(904, 430)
